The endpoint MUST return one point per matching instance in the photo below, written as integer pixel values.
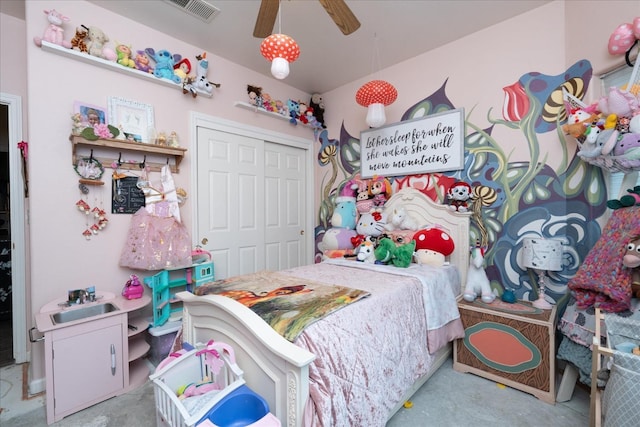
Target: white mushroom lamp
(541, 255)
(375, 95)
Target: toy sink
(82, 313)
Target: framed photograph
(90, 115)
(133, 118)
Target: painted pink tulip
(516, 103)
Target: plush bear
(96, 41)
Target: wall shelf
(112, 65)
(123, 149)
(260, 110)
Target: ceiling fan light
(375, 115)
(279, 68)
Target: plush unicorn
(477, 280)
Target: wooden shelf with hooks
(107, 151)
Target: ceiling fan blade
(266, 18)
(341, 15)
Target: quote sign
(433, 143)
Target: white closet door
(285, 198)
(251, 203)
(231, 201)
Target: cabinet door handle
(113, 359)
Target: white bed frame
(275, 368)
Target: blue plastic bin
(240, 408)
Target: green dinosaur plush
(388, 253)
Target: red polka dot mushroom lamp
(375, 95)
(280, 49)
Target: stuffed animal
(478, 284)
(182, 69)
(302, 112)
(380, 190)
(432, 246)
(96, 41)
(202, 83)
(77, 42)
(318, 108)
(345, 214)
(627, 151)
(293, 109)
(337, 239)
(459, 194)
(143, 62)
(631, 259)
(54, 33)
(371, 223)
(631, 199)
(164, 62)
(578, 121)
(387, 252)
(255, 95)
(619, 102)
(399, 219)
(123, 53)
(366, 252)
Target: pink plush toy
(54, 33)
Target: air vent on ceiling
(197, 8)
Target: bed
(358, 365)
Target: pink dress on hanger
(157, 239)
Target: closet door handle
(113, 359)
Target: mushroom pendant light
(376, 94)
(280, 49)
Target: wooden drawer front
(508, 348)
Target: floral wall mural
(512, 199)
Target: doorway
(254, 197)
(13, 308)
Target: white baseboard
(37, 386)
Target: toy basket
(215, 361)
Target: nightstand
(513, 344)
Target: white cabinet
(85, 365)
(90, 360)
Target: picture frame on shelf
(134, 119)
(90, 115)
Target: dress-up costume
(157, 239)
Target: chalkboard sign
(126, 198)
(432, 143)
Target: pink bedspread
(383, 343)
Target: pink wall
(61, 258)
(478, 67)
(14, 62)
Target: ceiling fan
(337, 9)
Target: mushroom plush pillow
(433, 245)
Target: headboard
(427, 212)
